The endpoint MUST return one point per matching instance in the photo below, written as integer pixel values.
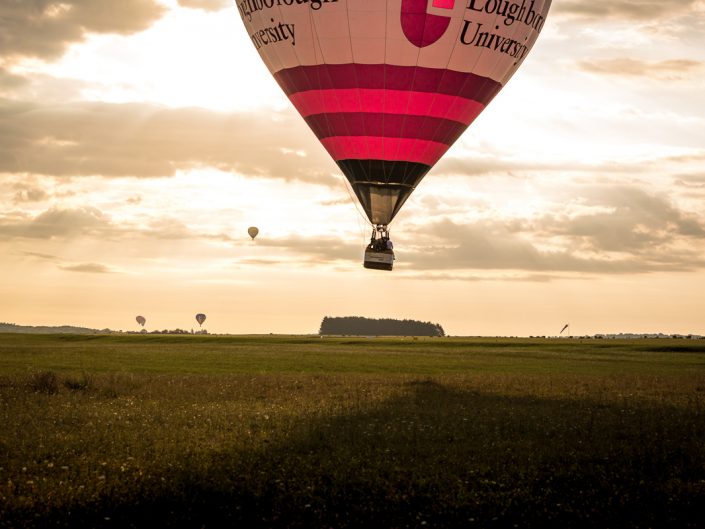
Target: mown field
(284, 432)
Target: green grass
(294, 354)
(276, 431)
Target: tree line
(359, 326)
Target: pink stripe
(372, 100)
(389, 149)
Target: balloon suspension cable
(353, 200)
(380, 234)
(380, 231)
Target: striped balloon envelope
(387, 86)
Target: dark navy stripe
(377, 172)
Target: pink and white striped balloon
(387, 86)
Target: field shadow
(439, 456)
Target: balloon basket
(379, 260)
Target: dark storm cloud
(636, 10)
(44, 28)
(206, 5)
(145, 140)
(625, 67)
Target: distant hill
(43, 329)
(70, 329)
(358, 326)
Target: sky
(139, 139)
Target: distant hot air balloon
(252, 231)
(200, 318)
(141, 320)
(388, 86)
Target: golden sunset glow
(139, 140)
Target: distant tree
(359, 326)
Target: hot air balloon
(141, 320)
(388, 86)
(200, 318)
(252, 231)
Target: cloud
(44, 28)
(87, 222)
(692, 182)
(474, 165)
(344, 201)
(626, 231)
(476, 278)
(625, 67)
(634, 10)
(56, 222)
(66, 223)
(206, 5)
(10, 82)
(92, 268)
(488, 245)
(316, 250)
(168, 228)
(690, 157)
(634, 221)
(41, 256)
(28, 193)
(144, 140)
(629, 231)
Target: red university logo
(420, 27)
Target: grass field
(283, 432)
